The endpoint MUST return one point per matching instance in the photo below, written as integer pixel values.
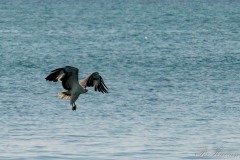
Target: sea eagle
(69, 77)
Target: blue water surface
(172, 69)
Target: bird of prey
(69, 77)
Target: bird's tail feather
(64, 95)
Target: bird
(73, 88)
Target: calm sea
(172, 69)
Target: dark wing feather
(96, 81)
(90, 82)
(65, 82)
(63, 74)
(53, 75)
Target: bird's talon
(74, 108)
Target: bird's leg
(74, 107)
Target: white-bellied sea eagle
(69, 77)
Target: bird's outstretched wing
(96, 81)
(68, 75)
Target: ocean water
(172, 69)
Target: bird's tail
(64, 95)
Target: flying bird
(69, 77)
